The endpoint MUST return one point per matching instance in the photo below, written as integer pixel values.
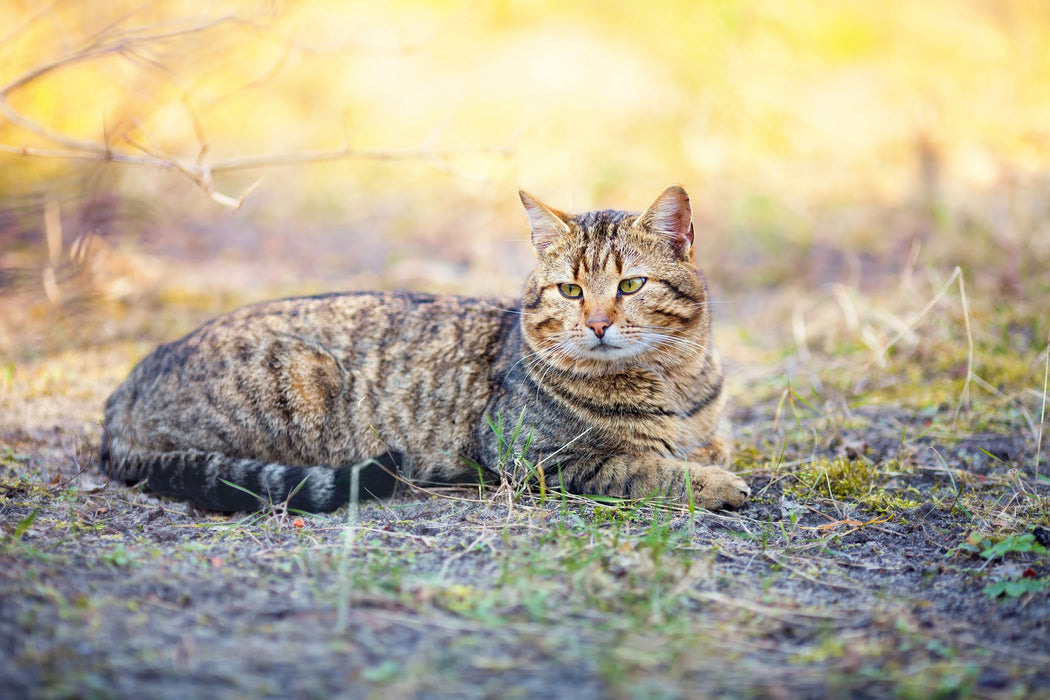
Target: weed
(1013, 544)
(24, 524)
(1017, 587)
(118, 557)
(1016, 581)
(843, 479)
(385, 672)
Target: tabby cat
(606, 365)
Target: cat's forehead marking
(600, 247)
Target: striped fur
(617, 393)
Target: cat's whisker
(678, 341)
(528, 360)
(494, 307)
(560, 352)
(669, 339)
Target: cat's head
(615, 288)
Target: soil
(823, 585)
(108, 592)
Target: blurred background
(843, 157)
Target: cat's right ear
(671, 217)
(548, 225)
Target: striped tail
(227, 484)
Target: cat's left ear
(671, 217)
(548, 225)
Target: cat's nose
(598, 320)
(598, 326)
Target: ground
(895, 545)
(870, 200)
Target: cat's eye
(570, 291)
(631, 284)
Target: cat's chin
(609, 351)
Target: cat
(602, 377)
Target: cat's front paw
(716, 489)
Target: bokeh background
(843, 157)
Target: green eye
(570, 291)
(631, 284)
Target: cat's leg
(716, 452)
(629, 476)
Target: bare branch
(347, 153)
(26, 24)
(123, 43)
(81, 154)
(130, 42)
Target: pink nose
(598, 326)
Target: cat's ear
(548, 225)
(670, 216)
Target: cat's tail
(227, 484)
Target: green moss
(747, 458)
(842, 479)
(838, 478)
(916, 387)
(886, 503)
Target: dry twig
(130, 43)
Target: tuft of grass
(119, 557)
(12, 542)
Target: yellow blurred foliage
(808, 101)
(830, 147)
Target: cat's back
(300, 380)
(352, 326)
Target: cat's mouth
(612, 347)
(603, 346)
(604, 349)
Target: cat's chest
(640, 401)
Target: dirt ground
(861, 567)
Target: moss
(838, 478)
(886, 503)
(859, 480)
(914, 387)
(748, 458)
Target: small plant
(510, 456)
(1019, 582)
(1017, 587)
(24, 524)
(118, 557)
(1013, 544)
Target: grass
(645, 599)
(838, 578)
